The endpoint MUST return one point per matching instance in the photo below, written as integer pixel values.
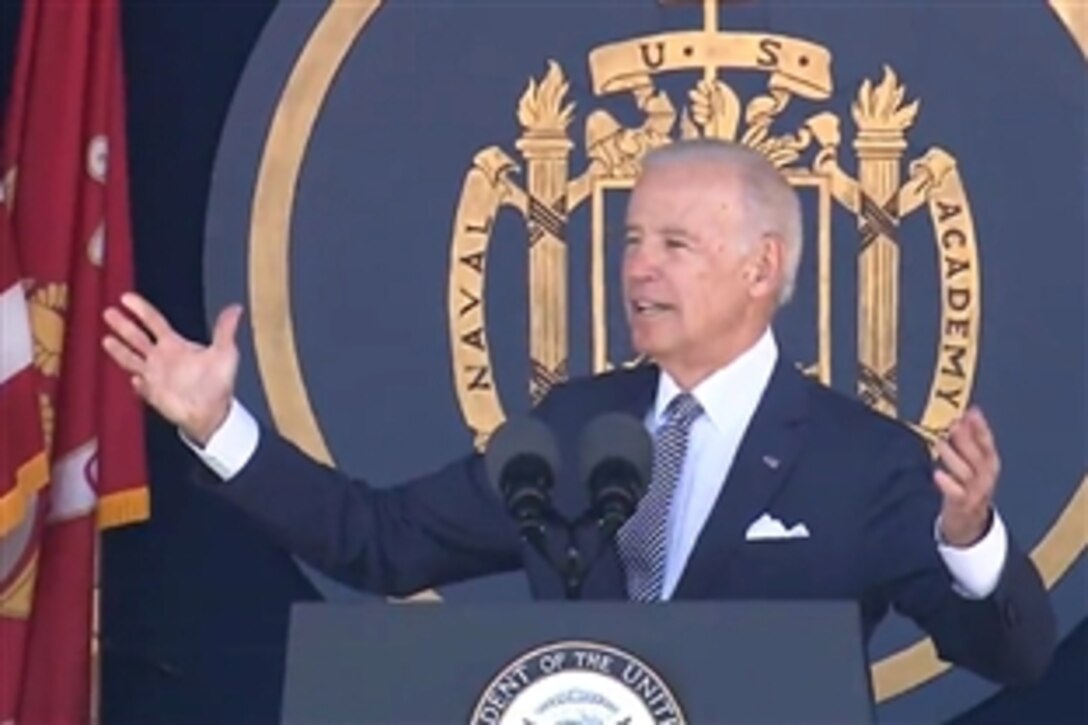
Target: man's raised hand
(189, 384)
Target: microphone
(616, 458)
(521, 461)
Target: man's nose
(640, 263)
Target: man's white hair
(771, 205)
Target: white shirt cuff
(232, 444)
(977, 568)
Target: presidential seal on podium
(577, 682)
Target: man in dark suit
(765, 484)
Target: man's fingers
(954, 462)
(952, 491)
(983, 438)
(131, 333)
(963, 441)
(972, 440)
(123, 355)
(140, 386)
(226, 326)
(146, 313)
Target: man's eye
(673, 243)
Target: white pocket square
(768, 527)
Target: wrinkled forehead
(697, 200)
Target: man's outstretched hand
(189, 384)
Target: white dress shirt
(729, 399)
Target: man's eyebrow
(677, 232)
(669, 230)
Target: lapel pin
(771, 462)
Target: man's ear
(766, 265)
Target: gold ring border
(585, 644)
(273, 328)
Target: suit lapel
(762, 463)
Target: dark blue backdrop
(183, 642)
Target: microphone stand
(573, 571)
(575, 567)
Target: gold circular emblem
(577, 682)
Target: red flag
(23, 468)
(68, 236)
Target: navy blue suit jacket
(860, 482)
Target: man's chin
(647, 345)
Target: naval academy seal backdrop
(415, 202)
(419, 205)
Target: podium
(583, 662)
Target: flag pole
(96, 629)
